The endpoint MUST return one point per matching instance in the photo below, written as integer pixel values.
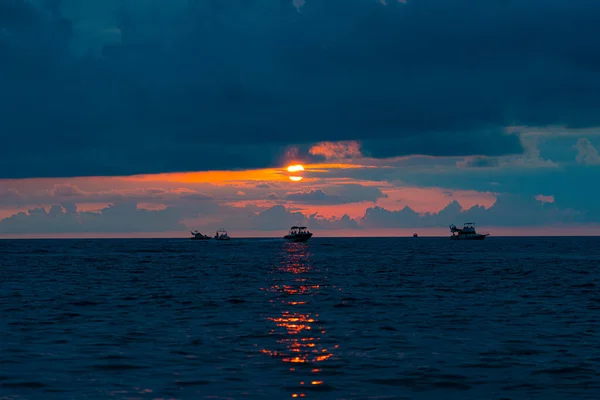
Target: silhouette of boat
(466, 233)
(196, 235)
(298, 234)
(221, 234)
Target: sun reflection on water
(299, 333)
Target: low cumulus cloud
(128, 217)
(508, 211)
(116, 218)
(313, 196)
(27, 194)
(107, 87)
(586, 152)
(279, 217)
(338, 194)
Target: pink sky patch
(545, 199)
(337, 150)
(432, 200)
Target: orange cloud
(237, 178)
(337, 150)
(255, 186)
(235, 199)
(216, 177)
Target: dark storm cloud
(230, 84)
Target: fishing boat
(221, 234)
(196, 235)
(298, 234)
(467, 232)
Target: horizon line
(429, 232)
(280, 237)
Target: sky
(121, 118)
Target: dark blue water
(330, 319)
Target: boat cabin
(298, 230)
(468, 227)
(298, 234)
(221, 234)
(467, 232)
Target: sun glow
(295, 168)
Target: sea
(334, 318)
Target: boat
(221, 234)
(415, 235)
(196, 235)
(298, 234)
(467, 232)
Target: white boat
(221, 234)
(467, 232)
(298, 234)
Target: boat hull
(468, 237)
(298, 238)
(200, 238)
(223, 239)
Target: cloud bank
(107, 87)
(508, 211)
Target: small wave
(84, 303)
(193, 383)
(566, 371)
(24, 385)
(117, 367)
(263, 317)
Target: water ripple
(329, 319)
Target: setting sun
(295, 168)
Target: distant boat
(221, 234)
(466, 233)
(196, 235)
(415, 235)
(298, 234)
